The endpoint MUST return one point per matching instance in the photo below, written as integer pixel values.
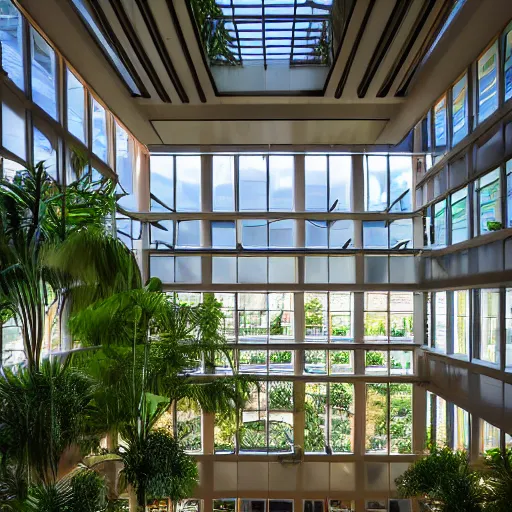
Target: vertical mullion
(293, 31)
(236, 32)
(389, 418)
(263, 41)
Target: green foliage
(280, 396)
(217, 42)
(340, 330)
(444, 480)
(341, 396)
(42, 413)
(157, 468)
(403, 329)
(276, 325)
(498, 480)
(281, 357)
(340, 357)
(89, 491)
(374, 327)
(313, 311)
(374, 358)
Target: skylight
(297, 31)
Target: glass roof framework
(297, 31)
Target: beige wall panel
(343, 476)
(315, 476)
(252, 476)
(376, 476)
(225, 476)
(282, 478)
(245, 132)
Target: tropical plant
(157, 467)
(217, 42)
(313, 311)
(444, 481)
(374, 358)
(276, 325)
(43, 412)
(37, 216)
(498, 480)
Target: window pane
(315, 362)
(341, 234)
(488, 83)
(188, 419)
(188, 269)
(162, 238)
(341, 401)
(376, 316)
(508, 63)
(162, 182)
(400, 428)
(223, 234)
(281, 171)
(316, 269)
(340, 316)
(400, 234)
(280, 416)
(400, 183)
(252, 182)
(440, 327)
(254, 233)
(281, 317)
(76, 107)
(461, 429)
(315, 312)
(459, 212)
(45, 152)
(377, 418)
(11, 38)
(341, 362)
(401, 321)
(252, 270)
(461, 322)
(13, 129)
(124, 164)
(44, 74)
(281, 233)
(252, 361)
(441, 422)
(401, 362)
(489, 325)
(223, 183)
(440, 126)
(316, 233)
(316, 182)
(340, 181)
(440, 224)
(280, 361)
(188, 183)
(376, 362)
(375, 234)
(315, 410)
(489, 200)
(252, 317)
(460, 110)
(189, 233)
(376, 183)
(99, 131)
(490, 436)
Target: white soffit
(254, 132)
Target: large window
(460, 110)
(440, 224)
(440, 135)
(488, 83)
(388, 316)
(489, 325)
(267, 419)
(328, 316)
(388, 418)
(44, 74)
(329, 417)
(328, 182)
(459, 215)
(440, 321)
(77, 98)
(461, 322)
(489, 201)
(11, 37)
(507, 63)
(264, 182)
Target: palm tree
(38, 218)
(147, 345)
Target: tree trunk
(133, 501)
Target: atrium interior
(336, 176)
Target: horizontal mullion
(327, 8)
(271, 29)
(297, 345)
(290, 287)
(326, 216)
(272, 18)
(280, 252)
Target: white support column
(419, 318)
(358, 183)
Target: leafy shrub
(374, 359)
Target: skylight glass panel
(294, 31)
